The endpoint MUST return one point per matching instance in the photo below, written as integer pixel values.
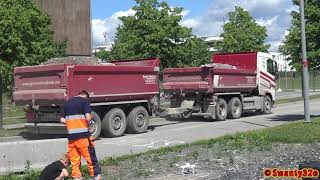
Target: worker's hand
(63, 120)
(88, 116)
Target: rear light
(31, 116)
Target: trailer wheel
(95, 125)
(234, 108)
(221, 109)
(114, 123)
(138, 120)
(267, 105)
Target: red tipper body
(239, 76)
(47, 85)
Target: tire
(114, 123)
(267, 105)
(221, 109)
(138, 120)
(234, 108)
(95, 125)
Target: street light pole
(305, 74)
(1, 104)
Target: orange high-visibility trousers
(85, 148)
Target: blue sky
(103, 8)
(205, 17)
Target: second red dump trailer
(232, 84)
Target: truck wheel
(138, 120)
(114, 123)
(95, 125)
(267, 105)
(234, 108)
(221, 109)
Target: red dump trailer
(122, 94)
(233, 83)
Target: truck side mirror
(276, 75)
(275, 70)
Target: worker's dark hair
(84, 92)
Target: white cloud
(185, 13)
(191, 23)
(267, 22)
(118, 14)
(108, 26)
(273, 14)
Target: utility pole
(1, 104)
(105, 36)
(305, 74)
(286, 66)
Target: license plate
(48, 116)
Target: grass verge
(8, 121)
(13, 132)
(10, 109)
(289, 100)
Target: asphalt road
(14, 154)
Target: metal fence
(292, 81)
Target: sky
(205, 17)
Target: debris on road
(187, 168)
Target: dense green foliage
(26, 37)
(154, 31)
(292, 43)
(242, 33)
(103, 54)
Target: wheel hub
(268, 106)
(140, 120)
(222, 110)
(117, 123)
(236, 109)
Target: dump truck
(232, 84)
(125, 94)
(122, 94)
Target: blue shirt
(75, 107)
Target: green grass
(295, 99)
(10, 109)
(8, 121)
(13, 132)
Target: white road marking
(160, 143)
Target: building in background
(283, 62)
(102, 48)
(212, 42)
(71, 21)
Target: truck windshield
(272, 67)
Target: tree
(292, 42)
(242, 33)
(154, 31)
(104, 55)
(25, 37)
